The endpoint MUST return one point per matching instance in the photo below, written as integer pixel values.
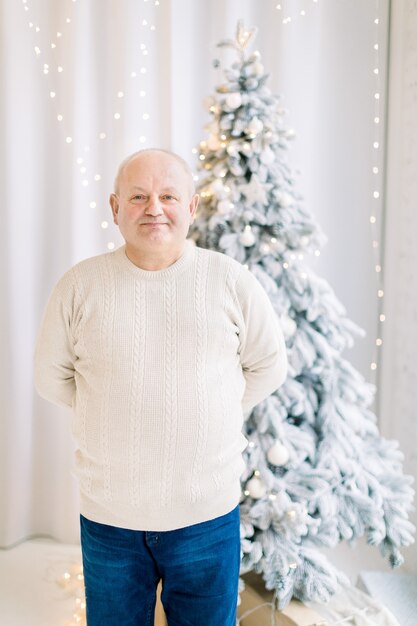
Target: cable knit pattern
(159, 368)
(200, 357)
(135, 392)
(225, 285)
(107, 330)
(171, 391)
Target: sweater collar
(175, 268)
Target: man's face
(155, 206)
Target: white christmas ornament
(256, 488)
(285, 199)
(254, 127)
(234, 100)
(247, 238)
(257, 68)
(224, 207)
(278, 454)
(288, 325)
(255, 191)
(217, 187)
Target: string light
(53, 93)
(289, 18)
(376, 208)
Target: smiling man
(159, 348)
(153, 205)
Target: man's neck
(154, 261)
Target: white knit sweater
(159, 368)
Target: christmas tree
(317, 470)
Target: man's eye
(138, 197)
(169, 197)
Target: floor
(29, 592)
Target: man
(159, 347)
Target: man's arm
(263, 354)
(54, 356)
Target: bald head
(148, 152)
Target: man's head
(154, 202)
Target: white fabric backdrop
(398, 375)
(322, 64)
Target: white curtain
(398, 381)
(126, 74)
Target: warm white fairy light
(289, 18)
(376, 209)
(57, 38)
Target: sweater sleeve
(54, 355)
(263, 354)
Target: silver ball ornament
(256, 488)
(278, 454)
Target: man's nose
(154, 207)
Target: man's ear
(114, 203)
(193, 206)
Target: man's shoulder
(93, 263)
(85, 270)
(219, 259)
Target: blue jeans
(199, 567)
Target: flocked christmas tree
(317, 472)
